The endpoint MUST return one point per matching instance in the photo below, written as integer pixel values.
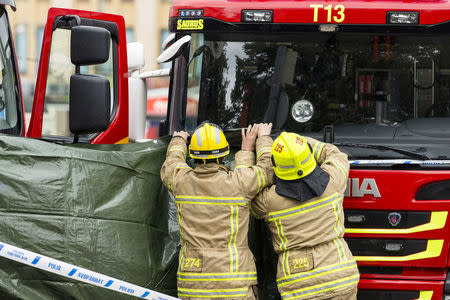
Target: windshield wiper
(382, 147)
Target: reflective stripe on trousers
(232, 276)
(327, 270)
(219, 293)
(320, 288)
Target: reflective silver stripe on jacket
(262, 151)
(182, 166)
(316, 272)
(261, 181)
(285, 261)
(210, 200)
(232, 244)
(341, 167)
(306, 207)
(176, 148)
(340, 232)
(318, 149)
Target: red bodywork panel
(356, 12)
(404, 285)
(118, 129)
(397, 193)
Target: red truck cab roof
(355, 11)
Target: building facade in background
(145, 21)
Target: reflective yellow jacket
(213, 212)
(314, 260)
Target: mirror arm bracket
(66, 21)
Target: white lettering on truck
(368, 187)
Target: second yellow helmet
(292, 157)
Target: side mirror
(168, 41)
(174, 50)
(90, 103)
(89, 45)
(90, 95)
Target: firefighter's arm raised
(332, 161)
(175, 158)
(259, 205)
(253, 178)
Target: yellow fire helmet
(291, 157)
(208, 142)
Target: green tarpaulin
(100, 207)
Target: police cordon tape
(74, 272)
(400, 162)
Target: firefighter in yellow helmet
(304, 213)
(213, 209)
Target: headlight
(302, 111)
(402, 17)
(257, 15)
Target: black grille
(380, 219)
(382, 247)
(387, 295)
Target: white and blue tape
(401, 161)
(74, 272)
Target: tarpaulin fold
(101, 207)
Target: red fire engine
(372, 77)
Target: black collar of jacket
(210, 168)
(303, 189)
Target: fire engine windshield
(359, 88)
(9, 99)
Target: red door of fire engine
(50, 115)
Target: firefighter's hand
(264, 129)
(249, 138)
(183, 134)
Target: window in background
(39, 37)
(130, 35)
(21, 47)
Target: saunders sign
(190, 24)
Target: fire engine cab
(372, 77)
